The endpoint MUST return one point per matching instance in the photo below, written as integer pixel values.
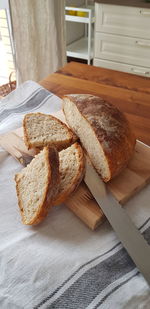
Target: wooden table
(130, 93)
(136, 3)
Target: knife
(129, 235)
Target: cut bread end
(42, 130)
(103, 130)
(36, 184)
(72, 168)
(87, 137)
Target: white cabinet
(143, 71)
(122, 38)
(81, 48)
(122, 49)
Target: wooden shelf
(83, 47)
(89, 10)
(79, 49)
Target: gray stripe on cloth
(115, 289)
(30, 104)
(4, 107)
(70, 277)
(82, 292)
(24, 100)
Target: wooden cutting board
(82, 203)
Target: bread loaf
(103, 131)
(42, 130)
(36, 184)
(71, 168)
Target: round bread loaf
(103, 130)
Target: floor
(69, 59)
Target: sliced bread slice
(36, 184)
(71, 168)
(42, 130)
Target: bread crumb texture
(71, 167)
(103, 131)
(32, 185)
(41, 130)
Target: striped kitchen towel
(60, 263)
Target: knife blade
(129, 235)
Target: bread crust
(61, 197)
(59, 145)
(52, 159)
(111, 129)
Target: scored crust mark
(42, 130)
(103, 131)
(33, 184)
(72, 168)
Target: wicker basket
(7, 88)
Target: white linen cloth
(60, 263)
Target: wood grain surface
(136, 3)
(130, 93)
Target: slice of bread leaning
(103, 130)
(71, 168)
(42, 130)
(36, 185)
